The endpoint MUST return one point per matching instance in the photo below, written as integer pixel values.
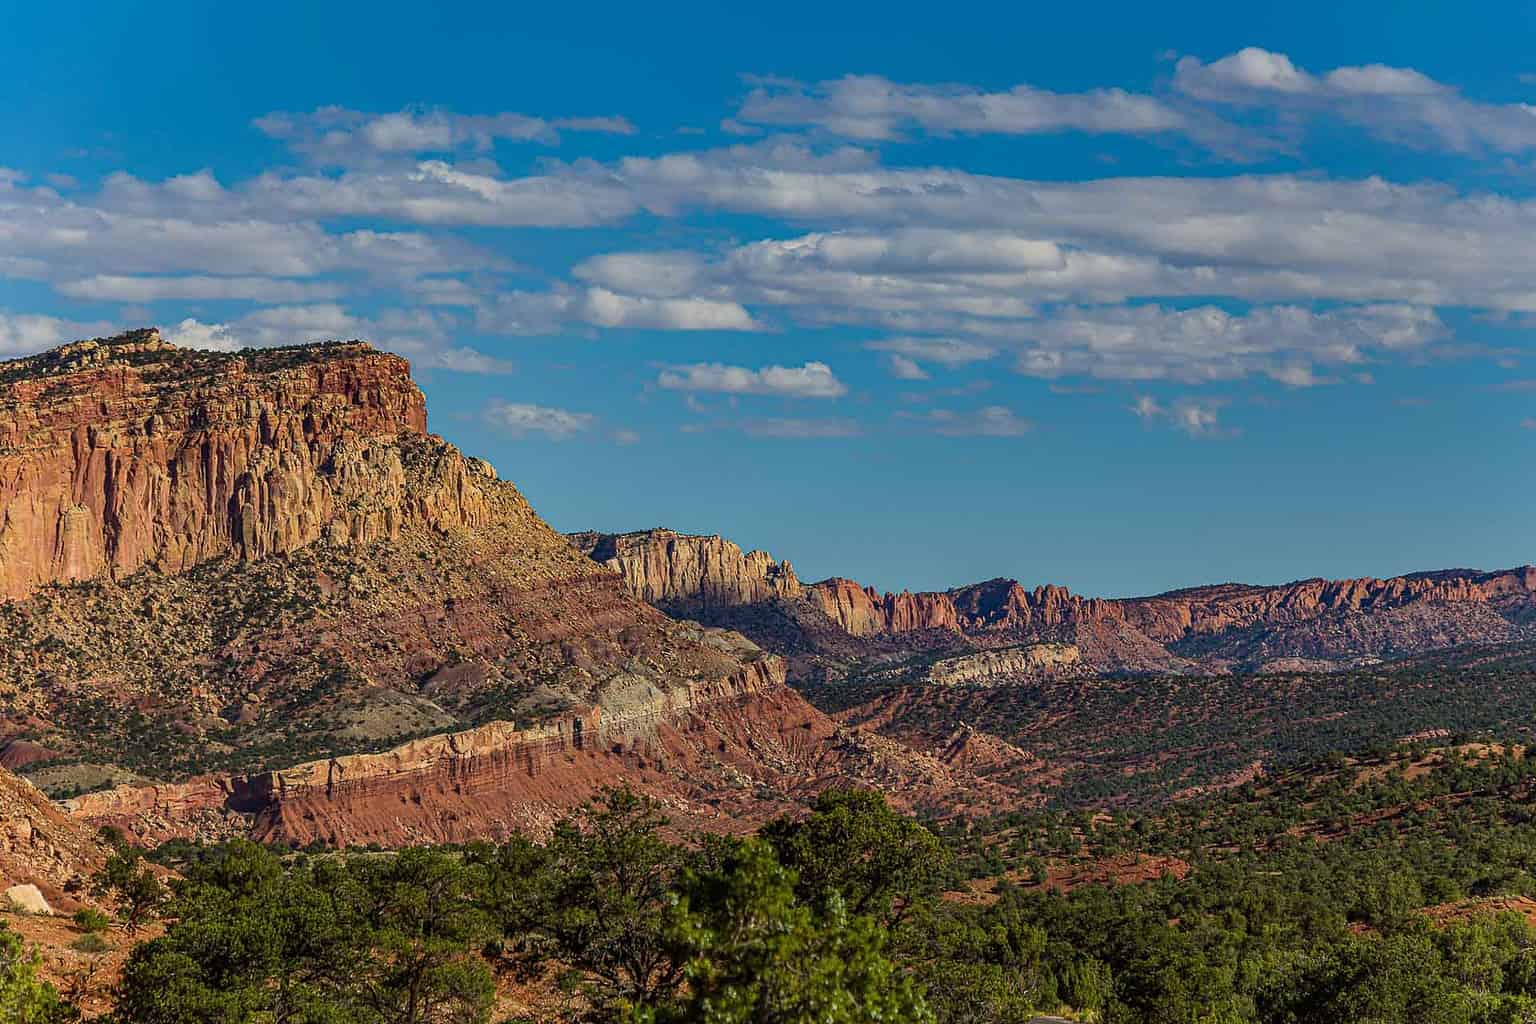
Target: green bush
(90, 942)
(90, 920)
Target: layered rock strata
(122, 453)
(689, 575)
(1217, 627)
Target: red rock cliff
(1416, 612)
(1003, 605)
(126, 452)
(689, 574)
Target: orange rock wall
(116, 456)
(486, 781)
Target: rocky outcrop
(1218, 628)
(1004, 606)
(28, 899)
(1006, 663)
(722, 756)
(122, 453)
(41, 846)
(863, 611)
(222, 564)
(256, 580)
(689, 575)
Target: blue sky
(1121, 297)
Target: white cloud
(423, 336)
(1255, 237)
(604, 308)
(521, 420)
(1296, 275)
(903, 368)
(129, 288)
(948, 352)
(872, 108)
(440, 193)
(1197, 417)
(658, 275)
(1208, 343)
(26, 333)
(792, 429)
(1397, 104)
(1529, 423)
(987, 421)
(192, 333)
(338, 136)
(134, 228)
(813, 380)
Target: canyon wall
(1222, 625)
(121, 453)
(685, 574)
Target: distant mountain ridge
(1220, 627)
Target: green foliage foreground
(837, 918)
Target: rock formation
(1218, 627)
(122, 453)
(1003, 663)
(688, 575)
(254, 581)
(40, 846)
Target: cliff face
(123, 453)
(1218, 627)
(256, 581)
(219, 566)
(684, 574)
(1005, 663)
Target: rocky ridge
(1217, 628)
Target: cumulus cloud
(1209, 343)
(947, 352)
(133, 228)
(523, 420)
(604, 308)
(1397, 104)
(872, 108)
(1257, 237)
(423, 336)
(192, 333)
(813, 380)
(26, 333)
(988, 291)
(1291, 277)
